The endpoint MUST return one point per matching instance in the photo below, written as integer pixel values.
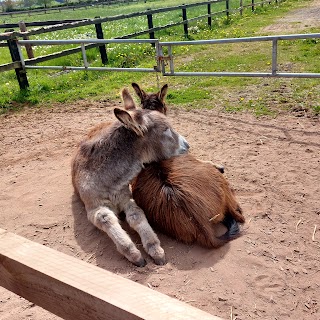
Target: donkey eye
(168, 133)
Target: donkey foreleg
(106, 220)
(138, 221)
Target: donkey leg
(106, 220)
(138, 221)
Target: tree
(28, 3)
(8, 5)
(44, 3)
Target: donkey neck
(118, 156)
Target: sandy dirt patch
(271, 272)
(297, 20)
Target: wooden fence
(61, 8)
(64, 24)
(73, 289)
(11, 36)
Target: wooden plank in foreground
(74, 289)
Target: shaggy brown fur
(186, 198)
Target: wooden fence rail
(38, 23)
(10, 66)
(73, 289)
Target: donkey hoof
(160, 261)
(141, 263)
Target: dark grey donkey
(107, 160)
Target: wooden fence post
(150, 26)
(209, 15)
(227, 9)
(185, 25)
(252, 5)
(241, 7)
(29, 50)
(15, 55)
(102, 47)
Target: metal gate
(274, 52)
(162, 61)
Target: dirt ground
(271, 272)
(297, 20)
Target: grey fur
(106, 161)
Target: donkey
(183, 197)
(152, 101)
(107, 160)
(186, 199)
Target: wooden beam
(28, 47)
(21, 73)
(38, 23)
(74, 289)
(10, 66)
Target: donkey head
(152, 101)
(158, 140)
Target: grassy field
(261, 96)
(115, 9)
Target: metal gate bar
(162, 60)
(274, 64)
(82, 42)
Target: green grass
(316, 109)
(115, 9)
(256, 95)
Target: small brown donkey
(186, 199)
(152, 101)
(106, 161)
(183, 197)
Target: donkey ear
(129, 122)
(127, 100)
(163, 92)
(141, 94)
